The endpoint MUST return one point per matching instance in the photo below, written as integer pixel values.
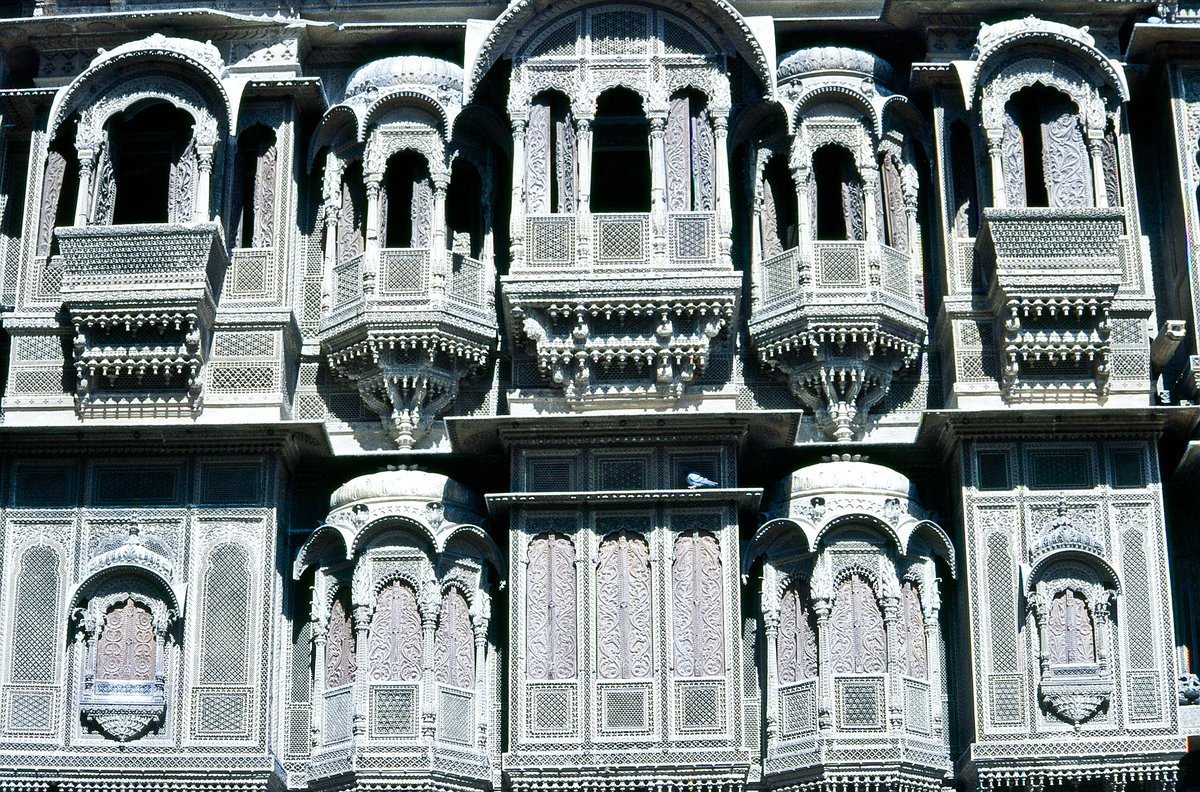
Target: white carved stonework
(623, 608)
(394, 645)
(912, 632)
(339, 645)
(1069, 631)
(698, 609)
(454, 642)
(125, 649)
(797, 635)
(856, 636)
(550, 635)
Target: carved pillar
(87, 164)
(516, 226)
(822, 608)
(204, 166)
(995, 147)
(480, 616)
(429, 606)
(721, 186)
(658, 186)
(1100, 622)
(770, 610)
(1095, 145)
(583, 215)
(874, 224)
(362, 627)
(757, 254)
(333, 207)
(806, 233)
(370, 266)
(895, 663)
(933, 653)
(320, 626)
(439, 258)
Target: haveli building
(649, 396)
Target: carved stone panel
(339, 646)
(1069, 633)
(1065, 156)
(689, 155)
(350, 222)
(181, 195)
(550, 591)
(623, 607)
(912, 633)
(797, 639)
(56, 168)
(125, 650)
(537, 159)
(454, 643)
(857, 642)
(104, 191)
(394, 646)
(565, 152)
(1013, 156)
(698, 606)
(264, 198)
(893, 195)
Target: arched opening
(154, 165)
(465, 208)
(254, 188)
(551, 154)
(781, 215)
(962, 159)
(407, 204)
(620, 154)
(1046, 162)
(689, 151)
(839, 195)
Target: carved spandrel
(623, 617)
(698, 605)
(550, 631)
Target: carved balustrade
(839, 318)
(142, 301)
(409, 337)
(1053, 279)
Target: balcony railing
(620, 241)
(862, 271)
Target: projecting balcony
(839, 319)
(142, 300)
(615, 312)
(406, 327)
(1053, 277)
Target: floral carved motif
(1070, 637)
(912, 632)
(856, 635)
(125, 650)
(453, 642)
(339, 646)
(797, 639)
(623, 618)
(550, 637)
(698, 606)
(394, 646)
(1065, 157)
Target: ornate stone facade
(627, 397)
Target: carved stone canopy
(376, 78)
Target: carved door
(857, 641)
(623, 617)
(339, 645)
(1069, 629)
(1012, 148)
(394, 645)
(350, 219)
(264, 197)
(181, 193)
(893, 194)
(104, 191)
(1065, 156)
(912, 633)
(797, 638)
(125, 650)
(454, 642)
(698, 606)
(56, 169)
(550, 591)
(551, 152)
(853, 202)
(690, 156)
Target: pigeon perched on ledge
(696, 481)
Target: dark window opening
(464, 209)
(146, 146)
(962, 156)
(254, 187)
(838, 193)
(1026, 111)
(621, 154)
(781, 215)
(407, 202)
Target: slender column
(996, 157)
(204, 164)
(362, 627)
(370, 265)
(895, 663)
(721, 187)
(822, 608)
(806, 234)
(771, 629)
(429, 607)
(320, 627)
(439, 257)
(333, 207)
(583, 214)
(516, 228)
(87, 166)
(658, 187)
(480, 617)
(758, 255)
(1096, 150)
(873, 231)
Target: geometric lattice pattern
(35, 643)
(226, 612)
(701, 707)
(860, 704)
(394, 710)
